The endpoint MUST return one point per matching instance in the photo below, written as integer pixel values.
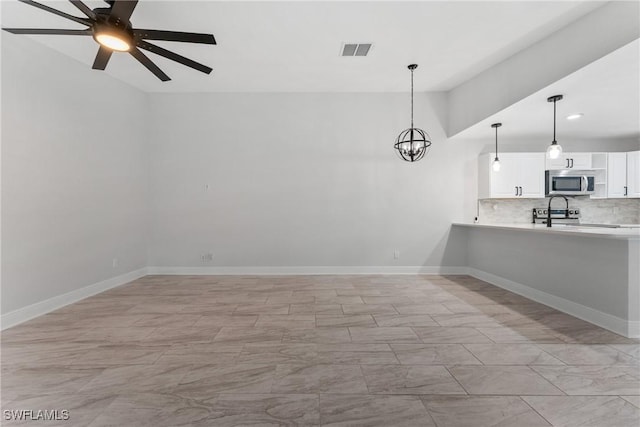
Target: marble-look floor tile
(585, 411)
(590, 334)
(368, 309)
(432, 308)
(384, 335)
(222, 320)
(339, 300)
(49, 380)
(445, 335)
(405, 379)
(168, 321)
(512, 354)
(502, 380)
(634, 400)
(581, 354)
(170, 336)
(344, 320)
(593, 380)
(202, 382)
(367, 410)
(505, 334)
(286, 321)
(319, 379)
(465, 320)
(434, 354)
(262, 309)
(233, 335)
(394, 320)
(485, 411)
(316, 309)
(164, 410)
(82, 408)
(119, 355)
(356, 357)
(262, 409)
(630, 349)
(134, 379)
(291, 353)
(318, 335)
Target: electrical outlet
(208, 257)
(114, 263)
(396, 254)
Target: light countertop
(616, 233)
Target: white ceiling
(607, 92)
(294, 46)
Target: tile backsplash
(599, 211)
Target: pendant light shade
(412, 144)
(496, 162)
(554, 150)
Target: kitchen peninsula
(588, 272)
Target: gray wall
(74, 175)
(301, 180)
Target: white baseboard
(630, 329)
(310, 270)
(23, 314)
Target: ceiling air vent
(355, 49)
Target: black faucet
(566, 212)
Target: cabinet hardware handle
(521, 191)
(625, 190)
(516, 190)
(571, 163)
(567, 164)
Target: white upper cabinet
(623, 175)
(633, 174)
(521, 175)
(576, 161)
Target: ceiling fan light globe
(554, 151)
(113, 41)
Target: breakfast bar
(589, 272)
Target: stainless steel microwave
(569, 182)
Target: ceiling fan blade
(122, 9)
(174, 36)
(83, 21)
(49, 31)
(173, 56)
(150, 65)
(102, 58)
(84, 9)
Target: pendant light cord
(496, 142)
(411, 99)
(554, 122)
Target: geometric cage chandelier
(412, 144)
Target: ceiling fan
(111, 28)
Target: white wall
(74, 175)
(301, 180)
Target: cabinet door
(531, 174)
(561, 162)
(504, 182)
(579, 160)
(633, 174)
(616, 175)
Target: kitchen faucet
(566, 212)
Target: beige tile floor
(445, 351)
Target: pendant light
(496, 162)
(554, 150)
(412, 144)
